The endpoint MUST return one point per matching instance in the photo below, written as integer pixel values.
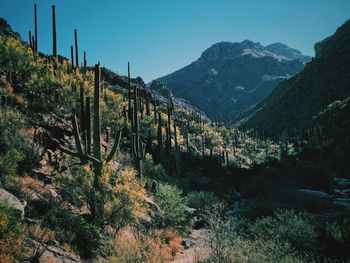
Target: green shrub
(154, 171)
(335, 238)
(287, 226)
(75, 230)
(173, 204)
(202, 199)
(230, 242)
(11, 235)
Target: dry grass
(131, 245)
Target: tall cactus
(54, 39)
(35, 29)
(177, 153)
(96, 120)
(148, 111)
(82, 153)
(168, 144)
(76, 48)
(129, 92)
(155, 111)
(30, 40)
(72, 56)
(88, 125)
(85, 63)
(160, 137)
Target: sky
(161, 36)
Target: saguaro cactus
(54, 39)
(88, 125)
(85, 62)
(155, 111)
(160, 136)
(82, 153)
(76, 48)
(139, 149)
(30, 40)
(35, 29)
(129, 92)
(72, 56)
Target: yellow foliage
(130, 188)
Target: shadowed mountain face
(317, 94)
(229, 78)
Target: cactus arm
(65, 150)
(115, 147)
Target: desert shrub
(202, 199)
(153, 171)
(256, 251)
(120, 196)
(287, 226)
(241, 240)
(173, 204)
(125, 198)
(13, 146)
(73, 229)
(335, 238)
(11, 236)
(111, 109)
(131, 245)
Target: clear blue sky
(161, 36)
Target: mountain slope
(229, 78)
(297, 102)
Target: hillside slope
(300, 101)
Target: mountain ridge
(298, 101)
(230, 77)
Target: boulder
(200, 219)
(12, 201)
(52, 253)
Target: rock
(12, 201)
(200, 219)
(186, 243)
(343, 203)
(314, 193)
(154, 208)
(341, 183)
(46, 253)
(42, 176)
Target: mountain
(229, 78)
(283, 50)
(319, 93)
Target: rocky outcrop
(12, 201)
(49, 253)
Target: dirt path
(198, 250)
